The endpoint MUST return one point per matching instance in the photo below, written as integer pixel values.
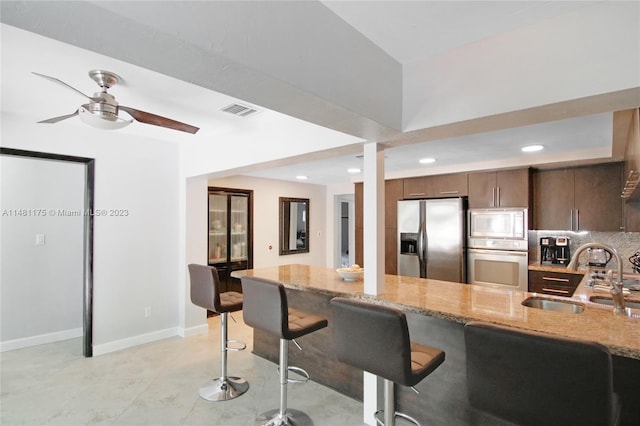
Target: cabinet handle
(449, 192)
(577, 220)
(571, 220)
(417, 193)
(554, 290)
(562, 280)
(498, 196)
(493, 197)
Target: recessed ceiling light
(353, 170)
(532, 148)
(302, 177)
(427, 160)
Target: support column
(373, 245)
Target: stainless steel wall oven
(497, 248)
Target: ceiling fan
(102, 110)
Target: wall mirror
(294, 225)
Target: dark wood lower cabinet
(555, 283)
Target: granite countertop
(462, 303)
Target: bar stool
(205, 292)
(536, 379)
(375, 338)
(266, 308)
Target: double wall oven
(497, 247)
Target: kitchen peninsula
(437, 311)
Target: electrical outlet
(147, 312)
(40, 239)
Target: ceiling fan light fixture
(99, 122)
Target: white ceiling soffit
(292, 57)
(581, 138)
(412, 31)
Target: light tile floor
(153, 384)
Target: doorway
(344, 230)
(57, 216)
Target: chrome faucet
(616, 285)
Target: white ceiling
(407, 31)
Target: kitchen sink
(553, 305)
(607, 301)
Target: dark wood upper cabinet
(502, 188)
(418, 187)
(581, 198)
(450, 185)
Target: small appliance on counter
(554, 251)
(598, 257)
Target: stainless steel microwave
(506, 227)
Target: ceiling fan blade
(55, 80)
(157, 120)
(56, 119)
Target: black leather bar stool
(266, 308)
(205, 292)
(375, 338)
(536, 379)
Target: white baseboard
(129, 342)
(194, 331)
(104, 348)
(41, 339)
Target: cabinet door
(553, 199)
(418, 187)
(482, 190)
(452, 185)
(390, 251)
(513, 188)
(597, 197)
(393, 191)
(217, 229)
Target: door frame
(87, 263)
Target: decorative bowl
(350, 274)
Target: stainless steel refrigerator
(431, 237)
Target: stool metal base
(273, 418)
(223, 390)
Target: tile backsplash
(626, 243)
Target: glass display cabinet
(230, 243)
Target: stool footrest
(299, 371)
(379, 415)
(241, 345)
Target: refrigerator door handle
(420, 242)
(425, 257)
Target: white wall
(41, 285)
(134, 256)
(265, 216)
(590, 51)
(193, 319)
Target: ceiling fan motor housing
(107, 109)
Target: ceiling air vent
(241, 110)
